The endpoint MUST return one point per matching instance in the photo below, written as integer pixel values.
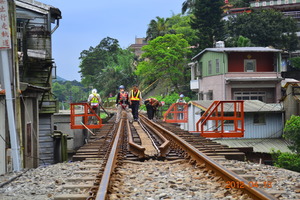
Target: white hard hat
(94, 91)
(181, 96)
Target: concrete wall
(215, 84)
(62, 122)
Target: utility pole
(5, 65)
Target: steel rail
(164, 147)
(220, 170)
(147, 132)
(110, 165)
(135, 148)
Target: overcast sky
(86, 23)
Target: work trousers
(150, 111)
(93, 119)
(120, 110)
(135, 109)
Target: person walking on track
(94, 100)
(135, 100)
(180, 106)
(122, 104)
(152, 105)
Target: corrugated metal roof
(264, 145)
(239, 49)
(289, 81)
(249, 106)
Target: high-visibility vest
(95, 99)
(123, 96)
(136, 97)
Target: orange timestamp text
(251, 184)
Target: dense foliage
(295, 62)
(291, 133)
(264, 28)
(206, 20)
(67, 92)
(158, 27)
(165, 58)
(287, 160)
(107, 66)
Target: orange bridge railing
(80, 119)
(177, 113)
(222, 119)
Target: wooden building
(33, 67)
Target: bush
(292, 133)
(286, 160)
(295, 62)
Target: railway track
(148, 144)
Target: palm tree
(187, 6)
(157, 28)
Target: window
(201, 96)
(209, 67)
(199, 69)
(217, 66)
(259, 118)
(209, 95)
(250, 65)
(250, 95)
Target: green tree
(264, 28)
(291, 133)
(96, 59)
(58, 90)
(295, 62)
(158, 27)
(106, 66)
(286, 160)
(206, 20)
(181, 25)
(187, 6)
(165, 58)
(243, 42)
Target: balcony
(194, 85)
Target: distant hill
(60, 79)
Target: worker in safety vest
(94, 100)
(180, 106)
(122, 104)
(135, 100)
